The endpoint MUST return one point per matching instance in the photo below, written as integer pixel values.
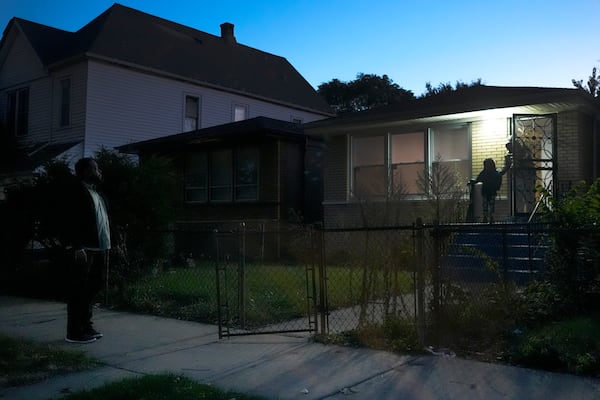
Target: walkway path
(274, 366)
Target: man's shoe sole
(80, 341)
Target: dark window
(196, 177)
(65, 102)
(222, 175)
(17, 112)
(221, 169)
(246, 174)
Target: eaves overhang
(335, 126)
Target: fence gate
(259, 290)
(534, 149)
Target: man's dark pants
(85, 282)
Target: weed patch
(150, 387)
(23, 362)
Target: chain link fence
(452, 284)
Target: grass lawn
(272, 293)
(23, 361)
(155, 387)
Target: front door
(533, 149)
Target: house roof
(465, 100)
(125, 35)
(249, 129)
(36, 155)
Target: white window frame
(239, 107)
(466, 159)
(186, 127)
(425, 160)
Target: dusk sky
(506, 43)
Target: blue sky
(504, 42)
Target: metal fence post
(323, 307)
(435, 279)
(420, 312)
(218, 284)
(241, 276)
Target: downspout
(52, 110)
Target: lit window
(240, 112)
(368, 166)
(408, 161)
(65, 102)
(192, 113)
(450, 146)
(17, 113)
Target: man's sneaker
(92, 333)
(80, 339)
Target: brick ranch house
(554, 134)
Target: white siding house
(128, 76)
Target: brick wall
(569, 160)
(488, 139)
(336, 165)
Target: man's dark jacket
(81, 229)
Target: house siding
(574, 141)
(21, 63)
(125, 106)
(336, 165)
(76, 129)
(21, 69)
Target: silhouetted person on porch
(492, 180)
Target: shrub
(574, 259)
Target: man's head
(87, 170)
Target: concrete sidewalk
(274, 366)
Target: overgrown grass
(395, 334)
(23, 361)
(571, 345)
(493, 324)
(272, 293)
(157, 387)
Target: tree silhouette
(592, 85)
(367, 91)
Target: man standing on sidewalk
(88, 236)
